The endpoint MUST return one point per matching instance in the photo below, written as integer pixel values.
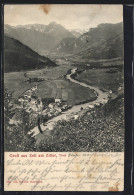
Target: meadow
(104, 79)
(16, 83)
(54, 85)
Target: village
(31, 103)
(49, 108)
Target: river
(75, 111)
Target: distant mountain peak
(52, 24)
(78, 32)
(39, 37)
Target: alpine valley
(64, 88)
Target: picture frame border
(128, 18)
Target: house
(21, 100)
(120, 88)
(76, 116)
(110, 91)
(13, 122)
(50, 106)
(34, 108)
(64, 107)
(57, 100)
(33, 104)
(33, 101)
(33, 89)
(36, 104)
(91, 106)
(29, 110)
(59, 109)
(27, 96)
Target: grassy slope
(103, 42)
(102, 79)
(100, 130)
(20, 57)
(14, 82)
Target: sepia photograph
(63, 78)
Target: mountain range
(40, 38)
(18, 57)
(102, 42)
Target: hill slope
(103, 42)
(20, 57)
(40, 38)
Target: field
(15, 83)
(69, 92)
(104, 79)
(53, 86)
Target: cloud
(71, 16)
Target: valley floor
(100, 128)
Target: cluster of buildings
(30, 102)
(54, 109)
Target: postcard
(63, 97)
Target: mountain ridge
(40, 38)
(18, 57)
(95, 37)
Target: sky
(71, 16)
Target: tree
(15, 135)
(8, 105)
